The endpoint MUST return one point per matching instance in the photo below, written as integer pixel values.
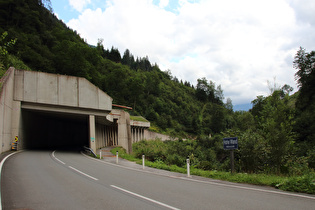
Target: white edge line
(250, 188)
(145, 198)
(83, 173)
(53, 154)
(1, 164)
(209, 182)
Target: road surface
(70, 180)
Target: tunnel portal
(51, 130)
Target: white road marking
(91, 177)
(53, 154)
(1, 164)
(145, 198)
(251, 188)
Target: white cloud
(163, 3)
(79, 5)
(238, 44)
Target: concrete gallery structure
(44, 111)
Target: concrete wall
(140, 124)
(6, 109)
(149, 135)
(29, 90)
(62, 90)
(54, 93)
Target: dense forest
(276, 135)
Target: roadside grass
(138, 118)
(303, 184)
(122, 153)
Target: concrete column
(124, 131)
(92, 132)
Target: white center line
(145, 198)
(83, 173)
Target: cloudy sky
(238, 44)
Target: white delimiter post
(117, 157)
(188, 168)
(100, 154)
(143, 158)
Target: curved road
(69, 180)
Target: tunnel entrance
(53, 130)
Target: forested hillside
(44, 43)
(276, 135)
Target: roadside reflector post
(143, 161)
(117, 157)
(101, 154)
(188, 168)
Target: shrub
(296, 166)
(175, 159)
(153, 150)
(304, 183)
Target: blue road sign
(230, 143)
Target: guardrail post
(143, 161)
(188, 168)
(117, 157)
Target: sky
(238, 44)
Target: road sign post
(231, 144)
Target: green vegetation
(303, 183)
(122, 153)
(138, 118)
(276, 137)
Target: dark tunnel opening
(52, 130)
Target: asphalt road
(69, 180)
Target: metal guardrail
(89, 151)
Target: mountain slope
(46, 44)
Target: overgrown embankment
(158, 155)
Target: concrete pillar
(92, 132)
(139, 134)
(124, 131)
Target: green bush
(296, 166)
(153, 150)
(175, 159)
(304, 184)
